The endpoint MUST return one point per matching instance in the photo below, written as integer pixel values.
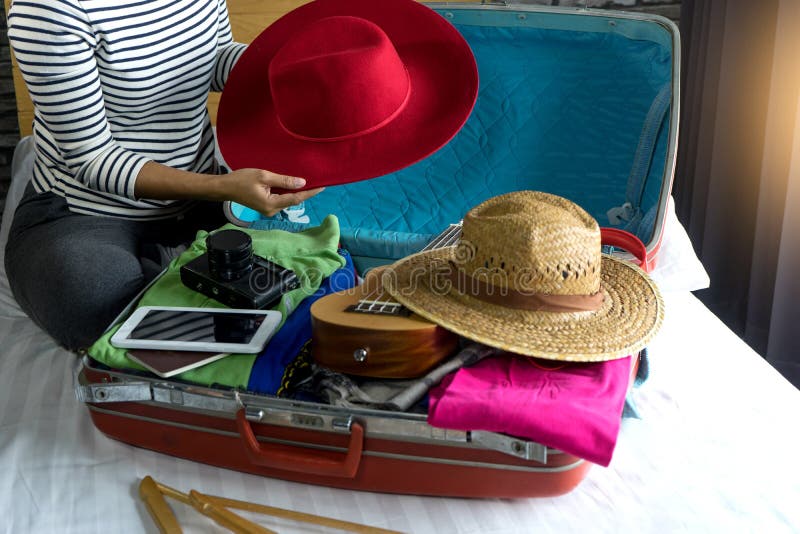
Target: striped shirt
(118, 83)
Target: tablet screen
(197, 326)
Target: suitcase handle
(289, 458)
(626, 240)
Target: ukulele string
(447, 238)
(444, 239)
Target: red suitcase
(399, 452)
(319, 444)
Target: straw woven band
(630, 315)
(511, 298)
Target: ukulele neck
(378, 303)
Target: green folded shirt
(312, 254)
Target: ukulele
(364, 331)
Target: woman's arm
(250, 187)
(228, 51)
(54, 45)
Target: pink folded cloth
(573, 407)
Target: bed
(713, 448)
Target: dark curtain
(738, 170)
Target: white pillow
(677, 266)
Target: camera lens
(230, 254)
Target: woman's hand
(253, 188)
(249, 187)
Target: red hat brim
(444, 86)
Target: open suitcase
(580, 103)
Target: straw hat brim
(630, 316)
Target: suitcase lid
(577, 102)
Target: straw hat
(338, 91)
(528, 276)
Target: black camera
(230, 273)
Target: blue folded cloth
(270, 366)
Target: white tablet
(199, 329)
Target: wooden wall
(248, 18)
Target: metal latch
(112, 392)
(298, 419)
(527, 450)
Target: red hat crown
(337, 79)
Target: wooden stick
(225, 518)
(172, 492)
(158, 508)
(222, 516)
(220, 503)
(297, 516)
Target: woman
(125, 167)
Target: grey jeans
(72, 274)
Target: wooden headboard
(248, 18)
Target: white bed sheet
(715, 451)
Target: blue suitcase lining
(558, 110)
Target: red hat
(339, 91)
